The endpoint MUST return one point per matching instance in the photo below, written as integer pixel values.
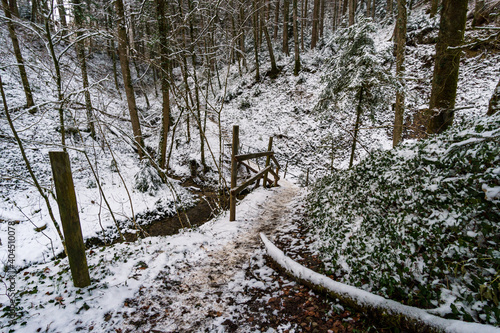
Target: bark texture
(296, 68)
(444, 83)
(494, 101)
(400, 58)
(127, 78)
(19, 57)
(80, 52)
(165, 84)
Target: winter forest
(250, 166)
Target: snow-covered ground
(282, 108)
(193, 281)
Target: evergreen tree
(357, 82)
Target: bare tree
(315, 24)
(494, 104)
(352, 11)
(296, 68)
(80, 51)
(445, 78)
(274, 67)
(163, 29)
(286, 14)
(400, 57)
(19, 57)
(478, 13)
(255, 25)
(127, 78)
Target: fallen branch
(385, 311)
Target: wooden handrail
(275, 161)
(272, 172)
(245, 157)
(238, 159)
(250, 181)
(253, 170)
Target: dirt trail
(200, 298)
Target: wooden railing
(236, 160)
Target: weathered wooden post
(307, 177)
(268, 159)
(234, 173)
(68, 210)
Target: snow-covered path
(202, 295)
(199, 280)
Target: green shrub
(420, 223)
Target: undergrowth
(420, 223)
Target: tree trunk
(163, 29)
(303, 24)
(390, 8)
(14, 10)
(352, 11)
(368, 8)
(127, 78)
(322, 18)
(434, 7)
(255, 25)
(478, 13)
(373, 8)
(80, 52)
(314, 33)
(62, 16)
(296, 68)
(286, 14)
(494, 105)
(58, 77)
(274, 68)
(359, 111)
(19, 57)
(444, 82)
(196, 86)
(400, 57)
(112, 49)
(242, 37)
(276, 19)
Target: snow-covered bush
(357, 72)
(420, 223)
(147, 179)
(359, 86)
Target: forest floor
(235, 289)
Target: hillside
(418, 224)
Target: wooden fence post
(234, 173)
(268, 159)
(68, 210)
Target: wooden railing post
(234, 173)
(68, 210)
(268, 159)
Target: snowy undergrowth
(419, 223)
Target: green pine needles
(359, 86)
(358, 75)
(421, 223)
